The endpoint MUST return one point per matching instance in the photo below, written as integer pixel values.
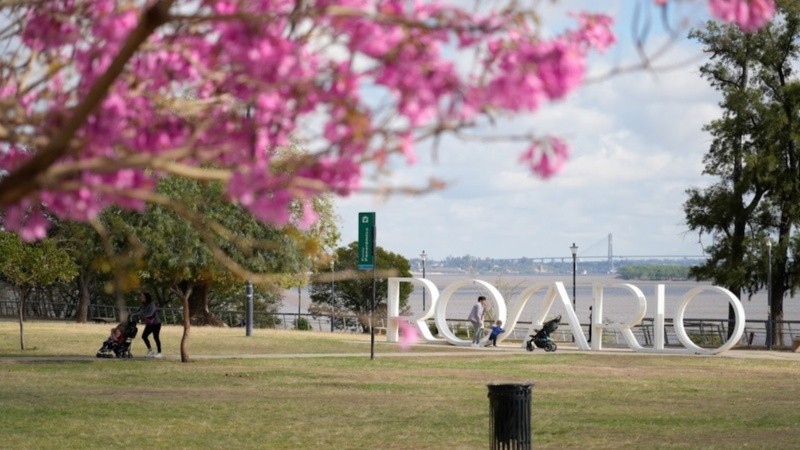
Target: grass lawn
(336, 397)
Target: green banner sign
(366, 240)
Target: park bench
(382, 328)
(104, 319)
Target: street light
(769, 294)
(249, 312)
(574, 250)
(424, 257)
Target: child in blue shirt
(496, 330)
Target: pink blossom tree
(102, 97)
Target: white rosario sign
(556, 292)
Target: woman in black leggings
(152, 325)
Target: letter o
(444, 298)
(738, 330)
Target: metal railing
(704, 332)
(714, 332)
(169, 316)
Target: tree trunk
(198, 307)
(731, 311)
(82, 315)
(186, 327)
(779, 273)
(776, 297)
(184, 290)
(732, 314)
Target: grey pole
(249, 318)
(574, 250)
(333, 296)
(769, 295)
(374, 291)
(423, 256)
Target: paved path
(446, 350)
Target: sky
(637, 144)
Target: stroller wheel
(529, 346)
(551, 347)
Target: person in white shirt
(476, 319)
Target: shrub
(302, 324)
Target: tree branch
(25, 180)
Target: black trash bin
(510, 416)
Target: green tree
(350, 291)
(84, 246)
(754, 156)
(781, 139)
(26, 266)
(183, 255)
(654, 272)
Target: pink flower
(409, 335)
(8, 90)
(407, 147)
(13, 157)
(561, 68)
(750, 15)
(595, 30)
(35, 227)
(309, 217)
(546, 158)
(27, 221)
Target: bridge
(610, 257)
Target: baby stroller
(542, 337)
(111, 348)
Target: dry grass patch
(47, 338)
(351, 402)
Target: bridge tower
(610, 254)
